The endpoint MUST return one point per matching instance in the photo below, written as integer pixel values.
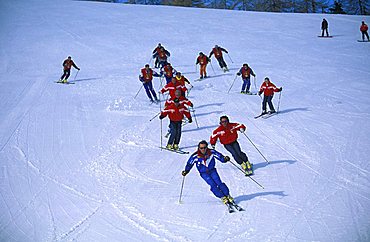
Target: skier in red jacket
(363, 30)
(168, 72)
(268, 89)
(174, 85)
(227, 133)
(67, 65)
(176, 113)
(146, 78)
(202, 60)
(217, 51)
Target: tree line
(354, 7)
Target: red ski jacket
(172, 87)
(147, 76)
(226, 135)
(363, 28)
(183, 101)
(67, 64)
(168, 71)
(202, 60)
(268, 89)
(176, 113)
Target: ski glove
(184, 172)
(281, 88)
(242, 130)
(259, 93)
(161, 117)
(238, 73)
(226, 158)
(213, 146)
(190, 120)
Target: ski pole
(256, 148)
(196, 68)
(230, 58)
(195, 117)
(138, 91)
(254, 79)
(76, 75)
(212, 68)
(154, 117)
(182, 187)
(160, 110)
(232, 84)
(279, 102)
(248, 176)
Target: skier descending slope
(146, 78)
(202, 60)
(268, 89)
(204, 159)
(217, 51)
(227, 133)
(246, 73)
(176, 113)
(67, 65)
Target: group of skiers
(363, 29)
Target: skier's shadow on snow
(293, 110)
(259, 194)
(209, 105)
(87, 79)
(200, 128)
(264, 164)
(205, 114)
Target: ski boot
(169, 147)
(225, 199)
(247, 167)
(65, 81)
(176, 147)
(230, 199)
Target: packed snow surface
(82, 162)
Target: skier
(227, 133)
(204, 159)
(176, 113)
(172, 87)
(217, 51)
(168, 72)
(268, 89)
(183, 100)
(146, 78)
(156, 62)
(246, 73)
(162, 54)
(363, 30)
(67, 65)
(202, 60)
(324, 27)
(182, 80)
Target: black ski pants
(175, 130)
(267, 99)
(66, 74)
(221, 62)
(364, 33)
(238, 155)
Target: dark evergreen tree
(337, 8)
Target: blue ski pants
(246, 83)
(218, 188)
(175, 130)
(149, 90)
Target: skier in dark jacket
(67, 65)
(217, 51)
(162, 54)
(205, 161)
(324, 27)
(246, 73)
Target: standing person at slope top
(363, 30)
(67, 65)
(205, 161)
(246, 73)
(202, 60)
(268, 89)
(168, 71)
(217, 51)
(227, 133)
(324, 28)
(146, 78)
(176, 113)
(162, 54)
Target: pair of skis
(66, 83)
(266, 115)
(232, 207)
(179, 151)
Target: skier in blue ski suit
(204, 159)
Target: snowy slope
(81, 162)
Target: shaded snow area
(82, 162)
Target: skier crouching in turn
(204, 159)
(268, 89)
(67, 65)
(228, 135)
(176, 113)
